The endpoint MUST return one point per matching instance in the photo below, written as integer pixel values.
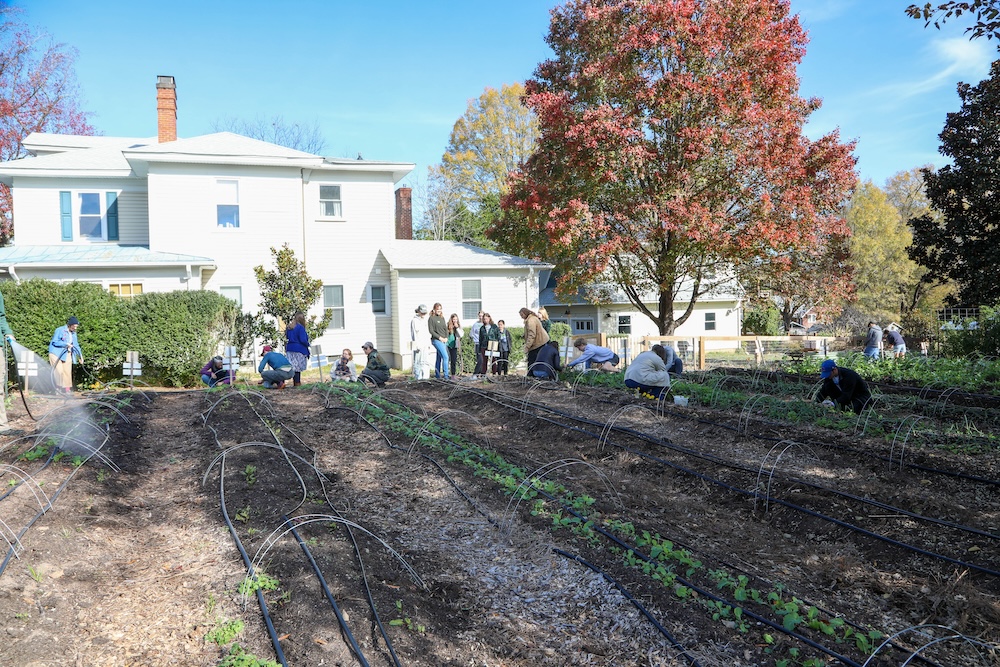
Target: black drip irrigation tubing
(329, 596)
(751, 494)
(261, 602)
(701, 591)
(638, 605)
(819, 487)
(38, 515)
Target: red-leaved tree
(38, 93)
(671, 152)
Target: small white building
(161, 214)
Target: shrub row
(173, 332)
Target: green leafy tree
(494, 136)
(671, 150)
(288, 288)
(925, 292)
(962, 244)
(985, 13)
(882, 270)
(762, 319)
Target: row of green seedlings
(567, 510)
(959, 436)
(42, 451)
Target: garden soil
(134, 564)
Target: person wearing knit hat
(63, 349)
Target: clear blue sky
(389, 79)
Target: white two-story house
(160, 214)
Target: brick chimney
(166, 109)
(404, 213)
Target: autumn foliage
(38, 93)
(672, 151)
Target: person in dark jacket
(377, 371)
(500, 366)
(546, 364)
(843, 386)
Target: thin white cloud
(955, 58)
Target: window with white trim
(472, 299)
(330, 205)
(709, 321)
(88, 216)
(379, 297)
(582, 326)
(333, 302)
(233, 294)
(227, 194)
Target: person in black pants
(500, 366)
(843, 386)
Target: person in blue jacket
(600, 357)
(297, 346)
(281, 368)
(63, 349)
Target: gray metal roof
(404, 254)
(93, 255)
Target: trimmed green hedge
(174, 332)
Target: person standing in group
(600, 357)
(280, 371)
(297, 347)
(344, 370)
(8, 336)
(438, 329)
(872, 341)
(476, 341)
(543, 315)
(500, 365)
(843, 387)
(489, 341)
(535, 335)
(454, 343)
(895, 339)
(377, 371)
(63, 348)
(420, 344)
(649, 372)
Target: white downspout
(13, 274)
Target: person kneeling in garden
(281, 368)
(649, 373)
(599, 357)
(377, 371)
(213, 373)
(842, 386)
(546, 364)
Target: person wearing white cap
(420, 344)
(843, 387)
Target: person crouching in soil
(843, 387)
(280, 369)
(649, 373)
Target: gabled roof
(73, 156)
(405, 254)
(730, 290)
(94, 255)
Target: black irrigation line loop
(638, 605)
(344, 628)
(251, 572)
